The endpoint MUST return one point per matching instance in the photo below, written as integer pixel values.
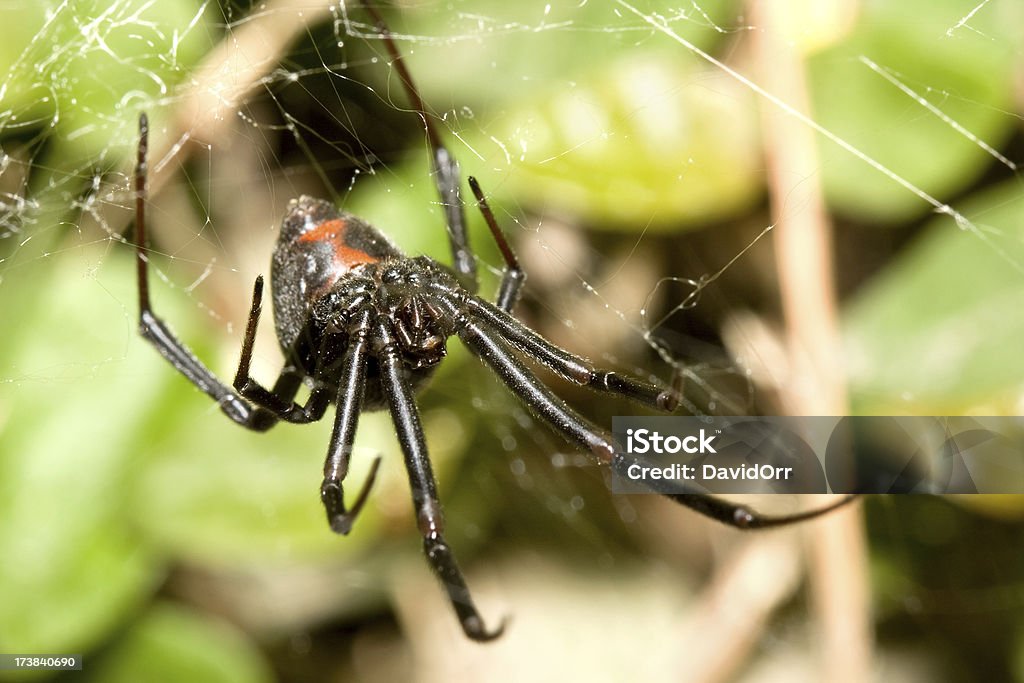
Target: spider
(365, 326)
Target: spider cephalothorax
(364, 325)
(329, 267)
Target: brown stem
(838, 564)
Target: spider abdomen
(317, 247)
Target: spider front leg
(429, 516)
(445, 167)
(280, 400)
(351, 387)
(156, 331)
(570, 366)
(513, 277)
(447, 180)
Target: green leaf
(175, 644)
(654, 142)
(939, 331)
(967, 74)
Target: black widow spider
(365, 326)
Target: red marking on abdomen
(333, 231)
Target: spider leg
(280, 401)
(445, 167)
(156, 331)
(745, 518)
(429, 516)
(572, 367)
(513, 277)
(568, 365)
(575, 428)
(351, 387)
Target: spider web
(621, 144)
